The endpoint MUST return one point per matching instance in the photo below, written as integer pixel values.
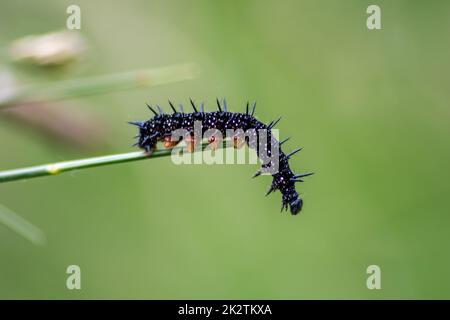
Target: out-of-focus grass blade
(21, 226)
(99, 84)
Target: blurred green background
(370, 108)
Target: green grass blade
(100, 84)
(21, 226)
(60, 167)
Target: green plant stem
(60, 167)
(99, 84)
(21, 226)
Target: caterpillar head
(296, 205)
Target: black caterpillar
(161, 126)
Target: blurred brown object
(50, 49)
(58, 122)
